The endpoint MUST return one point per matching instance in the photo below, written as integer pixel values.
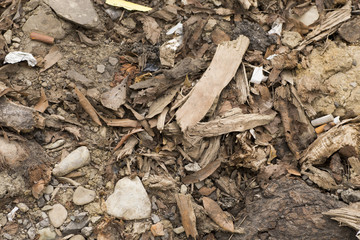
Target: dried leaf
(151, 29)
(188, 218)
(218, 215)
(116, 97)
(87, 107)
(84, 39)
(43, 103)
(203, 173)
(51, 58)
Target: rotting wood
(188, 217)
(222, 69)
(233, 121)
(349, 216)
(159, 104)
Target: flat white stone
(83, 196)
(129, 200)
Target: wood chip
(222, 69)
(121, 122)
(188, 218)
(87, 41)
(87, 107)
(233, 121)
(159, 104)
(218, 215)
(116, 97)
(43, 103)
(125, 137)
(203, 173)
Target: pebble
(87, 231)
(76, 159)
(77, 237)
(155, 218)
(41, 202)
(46, 234)
(179, 230)
(192, 167)
(129, 200)
(83, 196)
(113, 61)
(31, 233)
(8, 35)
(100, 68)
(183, 189)
(3, 219)
(23, 207)
(16, 39)
(16, 45)
(49, 189)
(7, 236)
(57, 215)
(157, 229)
(140, 227)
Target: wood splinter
(42, 38)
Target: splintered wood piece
(233, 121)
(43, 103)
(349, 216)
(188, 217)
(159, 104)
(161, 119)
(218, 215)
(121, 122)
(203, 173)
(329, 25)
(222, 69)
(125, 137)
(87, 106)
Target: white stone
(179, 230)
(46, 234)
(23, 207)
(113, 61)
(129, 200)
(57, 215)
(8, 35)
(49, 189)
(77, 237)
(76, 159)
(83, 196)
(100, 68)
(16, 39)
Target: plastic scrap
(11, 214)
(321, 120)
(177, 29)
(276, 27)
(15, 57)
(128, 5)
(258, 76)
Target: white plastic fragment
(258, 76)
(11, 214)
(337, 120)
(15, 57)
(276, 27)
(177, 29)
(271, 56)
(321, 120)
(253, 133)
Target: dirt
(252, 174)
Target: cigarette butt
(320, 129)
(321, 120)
(42, 38)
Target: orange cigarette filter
(42, 38)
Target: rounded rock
(57, 215)
(77, 237)
(83, 196)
